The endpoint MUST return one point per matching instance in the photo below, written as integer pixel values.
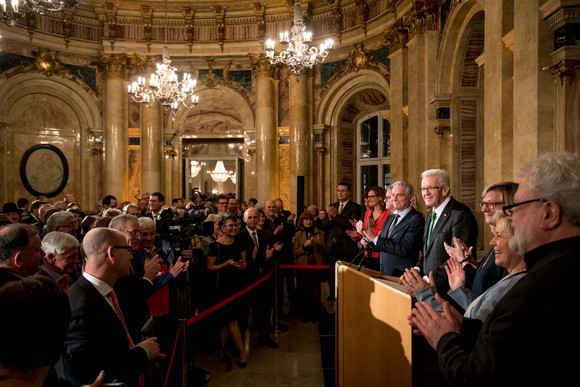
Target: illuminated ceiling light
(15, 9)
(297, 53)
(220, 174)
(195, 168)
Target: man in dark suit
(20, 252)
(259, 250)
(338, 244)
(401, 239)
(98, 338)
(447, 219)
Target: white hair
(146, 223)
(556, 176)
(443, 176)
(57, 242)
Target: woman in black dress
(227, 259)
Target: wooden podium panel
(373, 336)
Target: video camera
(178, 227)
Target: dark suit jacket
(260, 266)
(338, 243)
(96, 340)
(401, 250)
(456, 221)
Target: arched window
(374, 151)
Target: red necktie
(113, 296)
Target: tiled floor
(297, 361)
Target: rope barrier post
(278, 328)
(184, 365)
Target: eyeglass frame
(508, 210)
(128, 248)
(489, 204)
(133, 232)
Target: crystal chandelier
(220, 174)
(15, 9)
(164, 85)
(195, 168)
(297, 53)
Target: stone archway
(35, 108)
(338, 112)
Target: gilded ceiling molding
(111, 22)
(363, 14)
(147, 15)
(337, 15)
(220, 15)
(189, 16)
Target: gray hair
(409, 186)
(112, 212)
(146, 223)
(443, 176)
(14, 237)
(58, 219)
(556, 176)
(119, 222)
(126, 208)
(57, 242)
(225, 217)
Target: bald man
(97, 339)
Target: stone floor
(297, 361)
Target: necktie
(393, 224)
(255, 238)
(433, 217)
(113, 296)
(340, 208)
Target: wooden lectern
(373, 337)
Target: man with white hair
(524, 340)
(61, 260)
(98, 338)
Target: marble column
(266, 129)
(320, 181)
(533, 112)
(399, 122)
(151, 147)
(116, 142)
(498, 93)
(168, 175)
(300, 139)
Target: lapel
(387, 225)
(443, 218)
(403, 222)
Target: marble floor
(297, 361)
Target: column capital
(262, 67)
(114, 65)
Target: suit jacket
(401, 250)
(96, 340)
(260, 266)
(338, 243)
(456, 221)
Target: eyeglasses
(371, 196)
(425, 189)
(508, 210)
(133, 233)
(489, 204)
(233, 225)
(128, 248)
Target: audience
(61, 261)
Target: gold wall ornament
(363, 14)
(111, 22)
(30, 21)
(566, 68)
(337, 16)
(220, 15)
(357, 59)
(398, 35)
(189, 16)
(147, 15)
(48, 64)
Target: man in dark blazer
(447, 219)
(97, 339)
(259, 254)
(401, 239)
(338, 244)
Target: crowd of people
(126, 281)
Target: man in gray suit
(401, 239)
